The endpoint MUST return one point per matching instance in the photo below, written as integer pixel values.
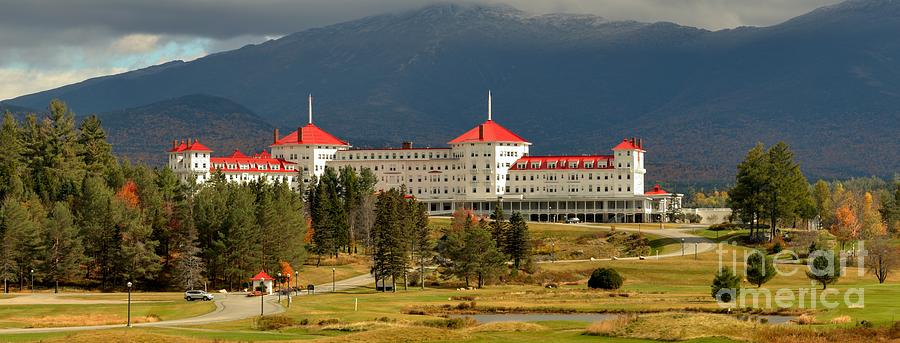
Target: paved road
(229, 307)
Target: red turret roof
(489, 131)
(195, 146)
(656, 191)
(311, 134)
(628, 144)
(262, 276)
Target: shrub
(276, 322)
(866, 324)
(806, 319)
(605, 278)
(776, 248)
(726, 285)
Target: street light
(279, 287)
(129, 302)
(682, 247)
(297, 281)
(332, 279)
(262, 295)
(32, 281)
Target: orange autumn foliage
(846, 225)
(128, 194)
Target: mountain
(827, 82)
(144, 133)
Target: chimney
(275, 136)
(481, 132)
(633, 140)
(174, 144)
(299, 135)
(407, 145)
(640, 143)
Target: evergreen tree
(63, 245)
(188, 262)
(11, 158)
(389, 249)
(759, 269)
(890, 209)
(93, 148)
(22, 243)
(747, 197)
(499, 226)
(787, 192)
(726, 285)
(517, 243)
(473, 253)
(825, 269)
(51, 151)
(421, 237)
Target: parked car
(573, 220)
(198, 295)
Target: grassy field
(671, 295)
(146, 307)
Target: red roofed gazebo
(263, 281)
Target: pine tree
(759, 269)
(499, 226)
(63, 244)
(11, 158)
(51, 149)
(747, 197)
(825, 269)
(93, 148)
(890, 210)
(389, 248)
(726, 285)
(787, 192)
(421, 237)
(517, 243)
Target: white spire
(489, 105)
(310, 108)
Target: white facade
(485, 165)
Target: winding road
(237, 306)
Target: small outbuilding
(264, 282)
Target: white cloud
(136, 43)
(24, 81)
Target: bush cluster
(605, 278)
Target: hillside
(826, 82)
(144, 133)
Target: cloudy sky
(50, 43)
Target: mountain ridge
(825, 82)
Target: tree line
(73, 214)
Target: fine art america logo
(822, 267)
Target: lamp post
(129, 302)
(552, 251)
(297, 281)
(262, 295)
(682, 247)
(332, 280)
(32, 281)
(279, 287)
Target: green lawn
(161, 306)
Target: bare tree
(882, 257)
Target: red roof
(195, 146)
(262, 276)
(562, 162)
(656, 191)
(629, 144)
(311, 134)
(261, 162)
(489, 131)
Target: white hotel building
(482, 166)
